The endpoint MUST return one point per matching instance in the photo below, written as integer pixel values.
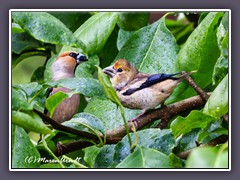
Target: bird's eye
(119, 70)
(72, 54)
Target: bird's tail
(183, 75)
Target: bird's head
(65, 64)
(121, 72)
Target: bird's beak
(109, 71)
(81, 58)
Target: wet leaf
(104, 158)
(16, 28)
(195, 119)
(41, 24)
(217, 104)
(161, 140)
(131, 21)
(208, 157)
(87, 86)
(95, 31)
(24, 154)
(200, 53)
(30, 122)
(152, 49)
(86, 122)
(108, 112)
(145, 157)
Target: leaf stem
(126, 127)
(35, 95)
(74, 161)
(49, 150)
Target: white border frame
(118, 10)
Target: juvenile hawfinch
(137, 90)
(63, 67)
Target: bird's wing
(151, 80)
(48, 93)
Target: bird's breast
(147, 98)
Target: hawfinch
(137, 90)
(64, 66)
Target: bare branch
(116, 135)
(67, 129)
(192, 83)
(149, 117)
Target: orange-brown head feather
(121, 72)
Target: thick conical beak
(81, 58)
(110, 71)
(78, 57)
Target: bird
(137, 90)
(64, 66)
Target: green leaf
(225, 21)
(188, 140)
(202, 16)
(87, 86)
(161, 140)
(91, 154)
(217, 104)
(48, 70)
(38, 75)
(41, 25)
(145, 157)
(19, 58)
(108, 112)
(72, 20)
(35, 94)
(87, 69)
(16, 28)
(24, 42)
(200, 53)
(30, 122)
(131, 21)
(195, 119)
(180, 29)
(24, 154)
(19, 100)
(213, 131)
(208, 157)
(104, 158)
(95, 31)
(152, 49)
(123, 37)
(107, 87)
(175, 161)
(54, 100)
(221, 66)
(105, 57)
(85, 122)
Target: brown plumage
(64, 67)
(137, 90)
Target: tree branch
(192, 83)
(67, 129)
(116, 135)
(219, 140)
(149, 117)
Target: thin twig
(149, 117)
(219, 140)
(67, 129)
(192, 83)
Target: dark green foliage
(165, 46)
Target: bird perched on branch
(137, 90)
(63, 67)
